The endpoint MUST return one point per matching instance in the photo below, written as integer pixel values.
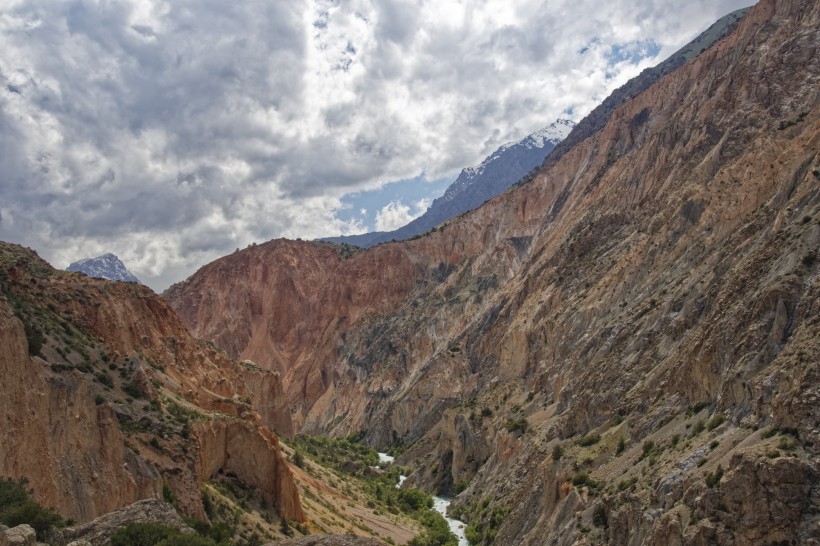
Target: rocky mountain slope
(107, 266)
(475, 185)
(106, 399)
(622, 349)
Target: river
(440, 505)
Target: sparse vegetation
(351, 458)
(713, 478)
(156, 534)
(484, 517)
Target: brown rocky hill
(106, 398)
(623, 349)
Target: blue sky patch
(364, 205)
(632, 52)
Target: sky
(172, 132)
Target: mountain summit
(475, 185)
(107, 266)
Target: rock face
(77, 352)
(622, 348)
(245, 450)
(100, 531)
(107, 266)
(475, 185)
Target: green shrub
(415, 499)
(473, 533)
(589, 440)
(17, 507)
(557, 453)
(621, 446)
(142, 534)
(599, 518)
(35, 339)
(623, 485)
(284, 526)
(518, 425)
(168, 493)
(181, 539)
(460, 486)
(298, 459)
(712, 480)
(133, 390)
(648, 448)
(715, 422)
(105, 379)
(157, 534)
(697, 428)
(582, 479)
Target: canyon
(664, 264)
(622, 348)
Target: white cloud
(422, 205)
(396, 214)
(173, 132)
(393, 216)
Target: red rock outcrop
(63, 411)
(52, 433)
(252, 454)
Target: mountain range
(475, 185)
(621, 348)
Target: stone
(22, 535)
(99, 531)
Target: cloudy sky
(171, 132)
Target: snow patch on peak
(108, 266)
(552, 134)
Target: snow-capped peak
(107, 266)
(552, 133)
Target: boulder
(22, 535)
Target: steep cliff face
(623, 348)
(106, 398)
(70, 449)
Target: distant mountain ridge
(108, 266)
(475, 185)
